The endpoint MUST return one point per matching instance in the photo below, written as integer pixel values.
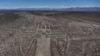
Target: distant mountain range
(61, 9)
(81, 9)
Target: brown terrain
(31, 33)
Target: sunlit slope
(18, 29)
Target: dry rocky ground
(49, 33)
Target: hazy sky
(48, 3)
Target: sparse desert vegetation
(33, 33)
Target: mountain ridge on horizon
(60, 9)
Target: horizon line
(52, 7)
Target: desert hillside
(49, 33)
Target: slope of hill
(64, 33)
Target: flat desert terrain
(49, 33)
